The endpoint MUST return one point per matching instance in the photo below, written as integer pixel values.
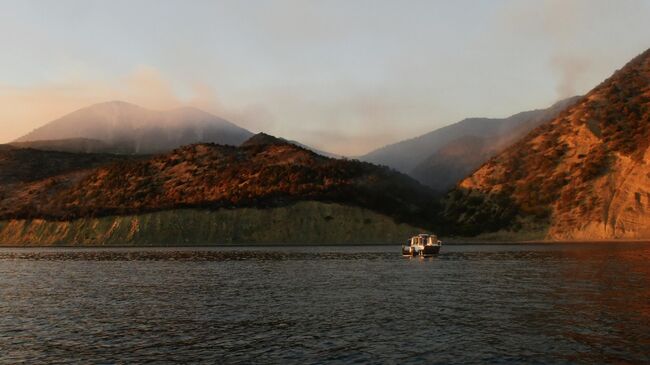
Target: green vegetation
(624, 111)
(301, 223)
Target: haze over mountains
(443, 157)
(584, 175)
(122, 127)
(438, 159)
(579, 170)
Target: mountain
(460, 157)
(454, 161)
(263, 138)
(585, 175)
(443, 157)
(128, 128)
(265, 185)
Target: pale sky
(344, 76)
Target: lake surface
(577, 303)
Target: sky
(345, 76)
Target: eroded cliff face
(604, 207)
(622, 209)
(301, 223)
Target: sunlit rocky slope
(584, 175)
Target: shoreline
(293, 245)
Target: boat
(422, 245)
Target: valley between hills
(118, 174)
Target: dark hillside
(24, 165)
(264, 172)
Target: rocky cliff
(584, 175)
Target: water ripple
(471, 304)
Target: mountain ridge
(421, 157)
(133, 129)
(584, 175)
(268, 172)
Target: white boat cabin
(424, 240)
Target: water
(472, 304)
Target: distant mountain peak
(129, 128)
(113, 104)
(117, 102)
(263, 139)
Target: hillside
(307, 222)
(443, 157)
(20, 165)
(127, 128)
(264, 173)
(584, 175)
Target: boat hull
(423, 251)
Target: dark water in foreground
(472, 304)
